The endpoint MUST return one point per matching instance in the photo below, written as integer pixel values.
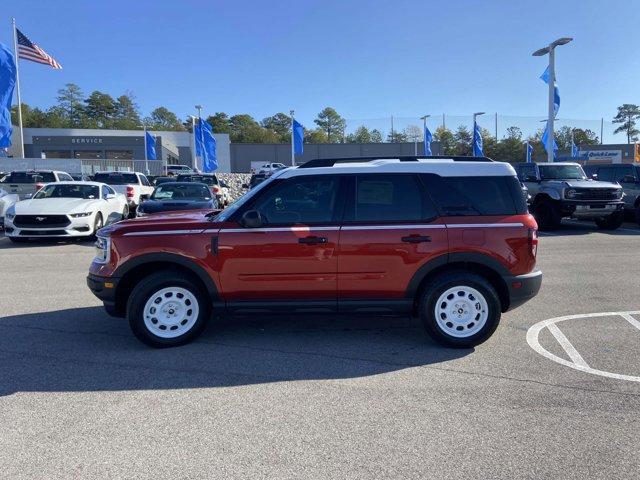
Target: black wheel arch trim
(164, 257)
(450, 258)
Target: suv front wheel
(167, 309)
(460, 309)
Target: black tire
(146, 289)
(612, 222)
(442, 283)
(547, 214)
(637, 212)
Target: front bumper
(105, 289)
(78, 227)
(523, 288)
(591, 210)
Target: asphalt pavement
(336, 397)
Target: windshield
(117, 178)
(231, 209)
(88, 192)
(561, 172)
(185, 191)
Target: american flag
(30, 51)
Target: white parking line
(631, 320)
(577, 363)
(566, 345)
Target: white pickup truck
(132, 185)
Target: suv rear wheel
(167, 309)
(460, 309)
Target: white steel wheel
(461, 311)
(171, 312)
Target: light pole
(550, 49)
(194, 158)
(424, 131)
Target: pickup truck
(132, 185)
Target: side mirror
(144, 198)
(594, 176)
(530, 178)
(629, 179)
(253, 219)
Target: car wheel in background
(612, 222)
(547, 214)
(460, 309)
(167, 309)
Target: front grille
(41, 221)
(41, 233)
(596, 194)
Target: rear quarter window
(473, 196)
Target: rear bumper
(105, 289)
(523, 288)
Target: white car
(133, 185)
(65, 209)
(6, 200)
(269, 168)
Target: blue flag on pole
(298, 137)
(477, 141)
(7, 84)
(428, 138)
(529, 152)
(151, 146)
(206, 146)
(545, 76)
(556, 101)
(545, 139)
(575, 151)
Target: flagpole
(293, 150)
(15, 53)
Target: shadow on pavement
(576, 227)
(83, 349)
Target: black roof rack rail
(330, 162)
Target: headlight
(80, 215)
(620, 193)
(570, 193)
(10, 214)
(103, 249)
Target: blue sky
(368, 59)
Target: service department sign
(85, 140)
(89, 141)
(602, 156)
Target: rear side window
(525, 171)
(117, 178)
(469, 196)
(388, 198)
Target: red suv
(447, 239)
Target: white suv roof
(446, 167)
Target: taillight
(39, 186)
(533, 241)
(129, 192)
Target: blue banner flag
(575, 151)
(556, 101)
(545, 138)
(428, 138)
(529, 152)
(477, 141)
(206, 146)
(545, 76)
(7, 84)
(151, 146)
(298, 137)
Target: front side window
(622, 172)
(388, 198)
(87, 192)
(469, 196)
(300, 200)
(144, 181)
(65, 177)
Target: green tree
(361, 135)
(580, 137)
(463, 141)
(127, 116)
(100, 110)
(376, 136)
(280, 124)
(162, 118)
(317, 135)
(413, 133)
(36, 118)
(627, 116)
(243, 128)
(511, 148)
(396, 137)
(445, 138)
(71, 104)
(332, 124)
(219, 122)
